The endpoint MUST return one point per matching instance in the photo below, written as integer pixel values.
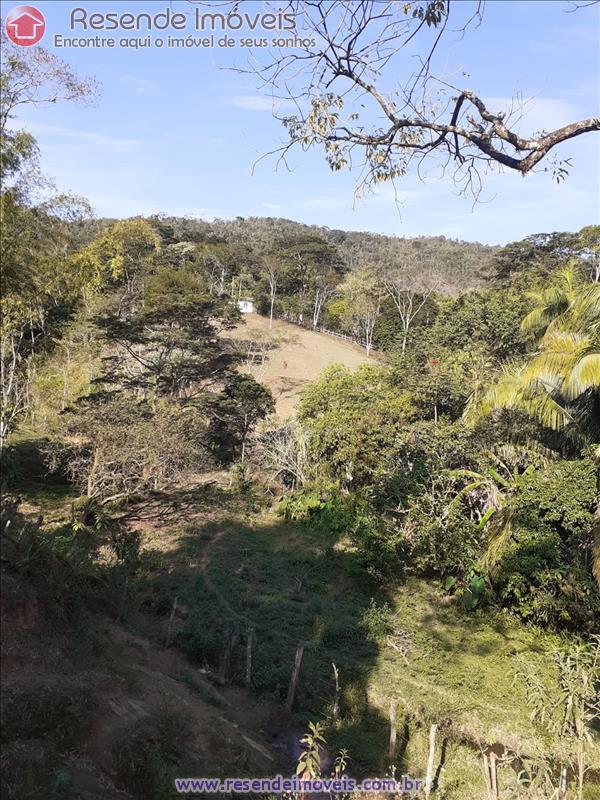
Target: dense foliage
(458, 457)
(444, 460)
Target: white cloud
(272, 206)
(98, 141)
(252, 102)
(529, 114)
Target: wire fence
(321, 329)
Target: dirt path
(204, 565)
(299, 355)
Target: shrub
(326, 508)
(544, 581)
(440, 544)
(375, 621)
(201, 642)
(544, 574)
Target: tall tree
(35, 238)
(364, 293)
(409, 287)
(271, 267)
(325, 287)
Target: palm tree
(554, 300)
(493, 489)
(559, 385)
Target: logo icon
(25, 25)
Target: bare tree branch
(340, 88)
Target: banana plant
(492, 488)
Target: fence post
(226, 658)
(249, 657)
(171, 621)
(336, 698)
(393, 730)
(486, 774)
(430, 760)
(294, 679)
(494, 775)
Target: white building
(246, 305)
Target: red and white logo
(25, 25)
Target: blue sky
(178, 132)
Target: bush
(204, 643)
(544, 574)
(327, 509)
(440, 545)
(544, 581)
(375, 621)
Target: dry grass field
(286, 357)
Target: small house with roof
(246, 305)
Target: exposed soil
(84, 707)
(297, 357)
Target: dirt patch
(294, 357)
(80, 713)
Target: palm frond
(539, 317)
(584, 375)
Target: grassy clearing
(462, 665)
(282, 580)
(297, 358)
(292, 584)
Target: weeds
(148, 754)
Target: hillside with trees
(401, 576)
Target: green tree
(308, 265)
(168, 398)
(168, 345)
(35, 238)
(353, 420)
(363, 293)
(117, 255)
(235, 412)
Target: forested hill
(458, 265)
